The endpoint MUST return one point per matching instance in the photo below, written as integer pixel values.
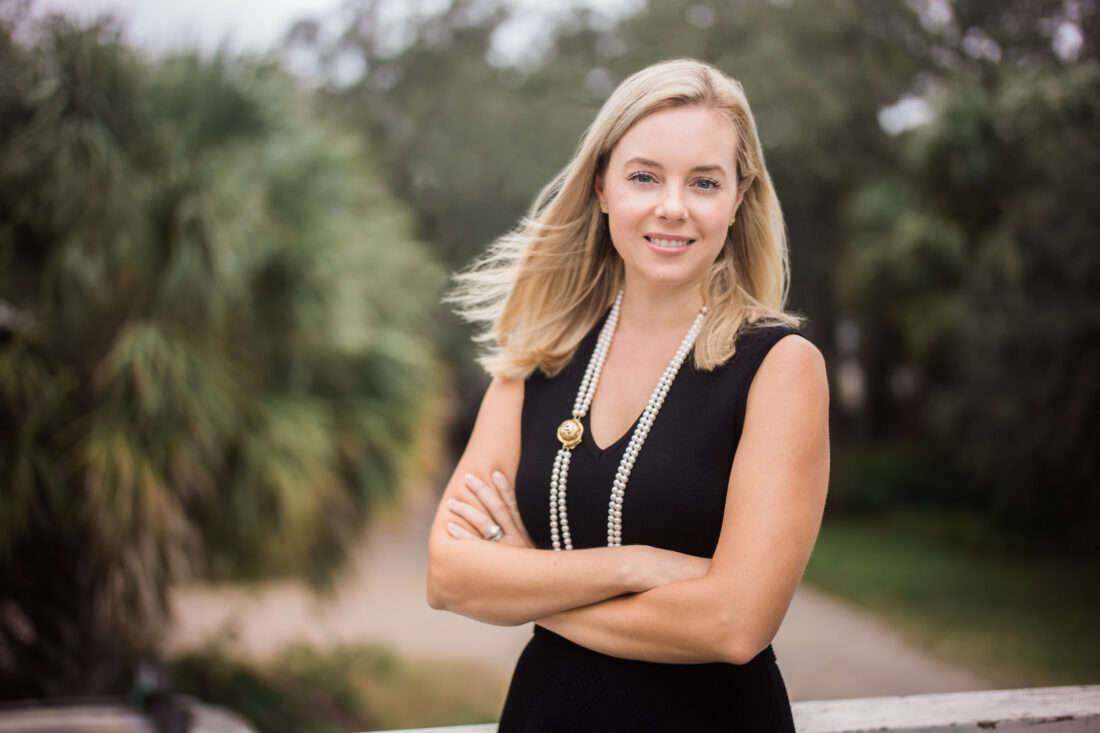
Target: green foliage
(874, 480)
(215, 343)
(352, 688)
(289, 696)
(979, 259)
(467, 144)
(967, 593)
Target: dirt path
(826, 647)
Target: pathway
(827, 648)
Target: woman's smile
(662, 242)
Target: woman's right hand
(498, 506)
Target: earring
(603, 207)
(733, 219)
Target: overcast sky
(247, 25)
(160, 25)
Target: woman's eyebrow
(642, 161)
(713, 168)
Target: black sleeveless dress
(675, 500)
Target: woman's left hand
(500, 512)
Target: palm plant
(215, 343)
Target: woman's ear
(598, 188)
(737, 204)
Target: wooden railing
(1035, 710)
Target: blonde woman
(660, 418)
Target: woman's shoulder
(765, 333)
(780, 344)
(775, 348)
(755, 340)
(785, 354)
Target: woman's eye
(643, 178)
(707, 184)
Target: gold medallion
(570, 432)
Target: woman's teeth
(670, 242)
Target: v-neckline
(617, 445)
(586, 421)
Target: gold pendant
(570, 432)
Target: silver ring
(495, 533)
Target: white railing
(111, 715)
(1035, 710)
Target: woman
(657, 414)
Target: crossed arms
(635, 601)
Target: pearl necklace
(571, 431)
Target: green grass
(357, 688)
(956, 589)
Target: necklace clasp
(570, 433)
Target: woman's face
(670, 189)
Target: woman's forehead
(694, 136)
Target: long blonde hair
(540, 288)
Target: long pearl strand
(570, 431)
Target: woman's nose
(671, 207)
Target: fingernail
(452, 528)
(452, 503)
(499, 477)
(471, 480)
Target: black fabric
(675, 499)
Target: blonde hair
(538, 290)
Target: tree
(980, 257)
(215, 343)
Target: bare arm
(506, 584)
(773, 511)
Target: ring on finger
(494, 533)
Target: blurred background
(229, 395)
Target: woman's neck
(659, 310)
